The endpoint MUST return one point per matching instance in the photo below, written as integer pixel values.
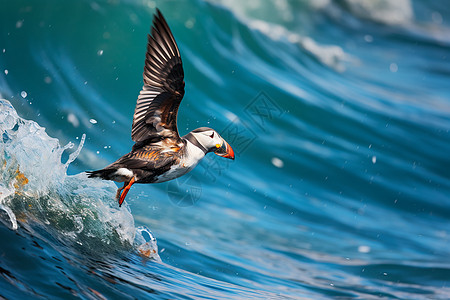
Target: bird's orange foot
(126, 187)
(120, 190)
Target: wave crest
(35, 188)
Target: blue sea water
(339, 115)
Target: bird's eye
(212, 135)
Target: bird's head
(213, 142)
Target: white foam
(34, 184)
(398, 12)
(146, 244)
(330, 55)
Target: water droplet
(364, 249)
(393, 67)
(93, 121)
(368, 38)
(277, 162)
(19, 24)
(6, 72)
(189, 23)
(374, 159)
(100, 52)
(23, 94)
(72, 119)
(437, 17)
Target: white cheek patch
(205, 140)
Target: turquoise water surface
(339, 115)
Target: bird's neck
(192, 154)
(190, 138)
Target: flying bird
(159, 153)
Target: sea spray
(35, 189)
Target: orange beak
(225, 151)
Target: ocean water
(339, 115)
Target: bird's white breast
(192, 157)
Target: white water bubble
(23, 94)
(72, 119)
(100, 52)
(6, 72)
(364, 249)
(437, 17)
(189, 23)
(368, 38)
(95, 6)
(393, 67)
(277, 162)
(374, 159)
(47, 79)
(19, 24)
(93, 121)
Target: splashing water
(35, 188)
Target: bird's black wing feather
(155, 116)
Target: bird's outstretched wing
(155, 116)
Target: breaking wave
(36, 192)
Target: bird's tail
(103, 173)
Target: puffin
(159, 153)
